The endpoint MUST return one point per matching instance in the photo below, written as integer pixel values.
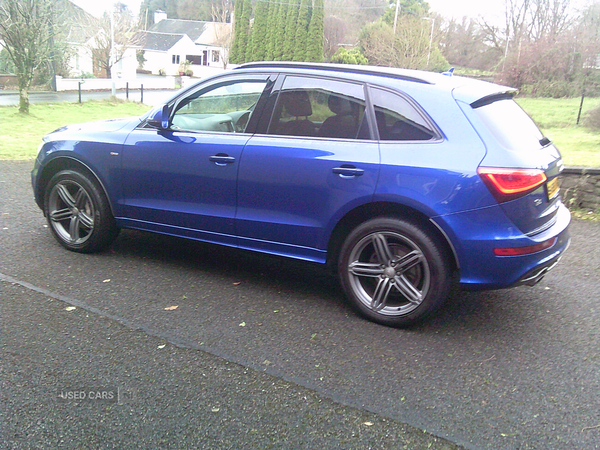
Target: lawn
(20, 134)
(557, 118)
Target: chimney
(159, 15)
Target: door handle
(221, 159)
(348, 171)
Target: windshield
(510, 125)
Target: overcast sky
(491, 10)
(448, 8)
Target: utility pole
(396, 16)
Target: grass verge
(21, 134)
(557, 118)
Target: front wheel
(393, 272)
(78, 212)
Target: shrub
(354, 56)
(592, 119)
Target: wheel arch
(63, 163)
(370, 211)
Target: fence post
(79, 90)
(141, 93)
(127, 90)
(580, 106)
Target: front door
(183, 180)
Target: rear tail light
(518, 251)
(510, 184)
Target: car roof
(464, 89)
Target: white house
(169, 43)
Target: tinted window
(320, 108)
(225, 108)
(510, 125)
(397, 119)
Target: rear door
(314, 162)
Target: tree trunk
(24, 100)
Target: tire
(78, 212)
(393, 272)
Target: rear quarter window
(397, 119)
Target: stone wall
(580, 187)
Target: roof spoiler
(489, 99)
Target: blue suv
(404, 182)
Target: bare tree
(335, 34)
(221, 11)
(26, 30)
(116, 31)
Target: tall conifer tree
(289, 42)
(242, 32)
(302, 30)
(234, 54)
(260, 31)
(278, 37)
(271, 31)
(316, 33)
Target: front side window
(397, 119)
(225, 108)
(315, 107)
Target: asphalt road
(262, 352)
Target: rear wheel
(393, 272)
(78, 212)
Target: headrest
(339, 105)
(296, 103)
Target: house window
(175, 59)
(194, 59)
(216, 56)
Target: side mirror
(160, 118)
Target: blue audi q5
(404, 182)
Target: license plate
(552, 188)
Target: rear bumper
(475, 235)
(534, 276)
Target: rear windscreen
(510, 125)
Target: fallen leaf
(107, 280)
(161, 346)
(216, 409)
(243, 324)
(369, 424)
(238, 283)
(70, 308)
(171, 308)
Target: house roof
(81, 26)
(192, 28)
(161, 42)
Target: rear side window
(397, 119)
(316, 107)
(510, 125)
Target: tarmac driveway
(513, 369)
